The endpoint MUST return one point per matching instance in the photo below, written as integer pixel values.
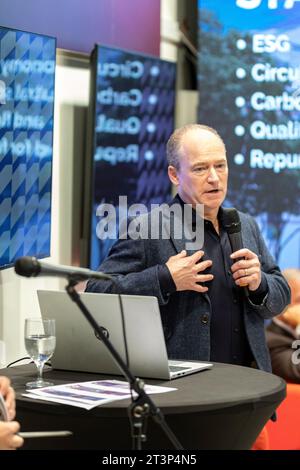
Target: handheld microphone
(232, 224)
(29, 266)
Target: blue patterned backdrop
(27, 71)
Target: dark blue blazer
(135, 265)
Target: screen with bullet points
(132, 102)
(27, 69)
(249, 83)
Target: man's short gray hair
(174, 142)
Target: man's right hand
(185, 271)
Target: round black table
(222, 408)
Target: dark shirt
(229, 342)
(227, 332)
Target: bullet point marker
(152, 99)
(149, 155)
(240, 101)
(239, 130)
(239, 159)
(154, 71)
(240, 73)
(241, 44)
(151, 127)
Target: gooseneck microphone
(231, 222)
(29, 266)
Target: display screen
(249, 82)
(27, 68)
(133, 116)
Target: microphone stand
(142, 406)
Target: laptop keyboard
(178, 368)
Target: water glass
(40, 344)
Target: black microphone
(231, 222)
(29, 266)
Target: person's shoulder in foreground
(283, 334)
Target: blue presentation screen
(249, 82)
(27, 66)
(133, 118)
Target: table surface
(222, 386)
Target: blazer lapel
(172, 222)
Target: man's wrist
(259, 296)
(167, 285)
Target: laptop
(78, 348)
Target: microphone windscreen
(231, 220)
(27, 266)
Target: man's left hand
(246, 271)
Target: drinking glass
(40, 344)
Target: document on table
(88, 395)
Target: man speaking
(213, 300)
